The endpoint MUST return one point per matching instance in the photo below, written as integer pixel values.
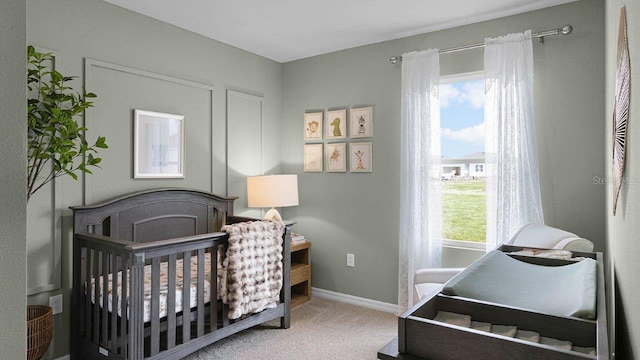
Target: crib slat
(213, 283)
(114, 303)
(136, 317)
(96, 306)
(200, 294)
(124, 333)
(225, 307)
(171, 303)
(87, 303)
(155, 306)
(186, 298)
(104, 326)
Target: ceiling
(286, 30)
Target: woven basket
(39, 330)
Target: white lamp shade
(272, 191)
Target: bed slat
(200, 295)
(87, 298)
(96, 288)
(155, 306)
(113, 343)
(104, 311)
(123, 307)
(171, 303)
(136, 316)
(213, 291)
(186, 301)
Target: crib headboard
(157, 214)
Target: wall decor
(361, 157)
(313, 126)
(336, 124)
(336, 157)
(620, 108)
(313, 156)
(158, 146)
(361, 122)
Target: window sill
(465, 245)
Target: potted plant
(56, 144)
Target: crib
(146, 276)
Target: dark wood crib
(117, 241)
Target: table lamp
(272, 191)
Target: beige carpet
(320, 329)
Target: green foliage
(464, 214)
(56, 144)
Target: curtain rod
(565, 30)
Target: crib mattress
(164, 291)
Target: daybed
(507, 294)
(139, 258)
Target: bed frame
(420, 337)
(147, 228)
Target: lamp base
(273, 215)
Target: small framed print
(336, 124)
(313, 126)
(361, 157)
(158, 145)
(361, 122)
(313, 157)
(336, 157)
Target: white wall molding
(90, 67)
(355, 300)
(44, 247)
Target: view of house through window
(463, 177)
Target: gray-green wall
(358, 213)
(13, 211)
(623, 244)
(139, 62)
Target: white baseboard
(355, 300)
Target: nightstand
(300, 273)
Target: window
(462, 138)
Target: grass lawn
(464, 210)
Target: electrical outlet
(351, 261)
(56, 304)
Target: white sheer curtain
(513, 187)
(420, 187)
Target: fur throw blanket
(253, 277)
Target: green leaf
(55, 136)
(100, 143)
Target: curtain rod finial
(395, 59)
(566, 30)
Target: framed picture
(361, 157)
(158, 145)
(336, 157)
(336, 124)
(361, 122)
(313, 157)
(313, 126)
